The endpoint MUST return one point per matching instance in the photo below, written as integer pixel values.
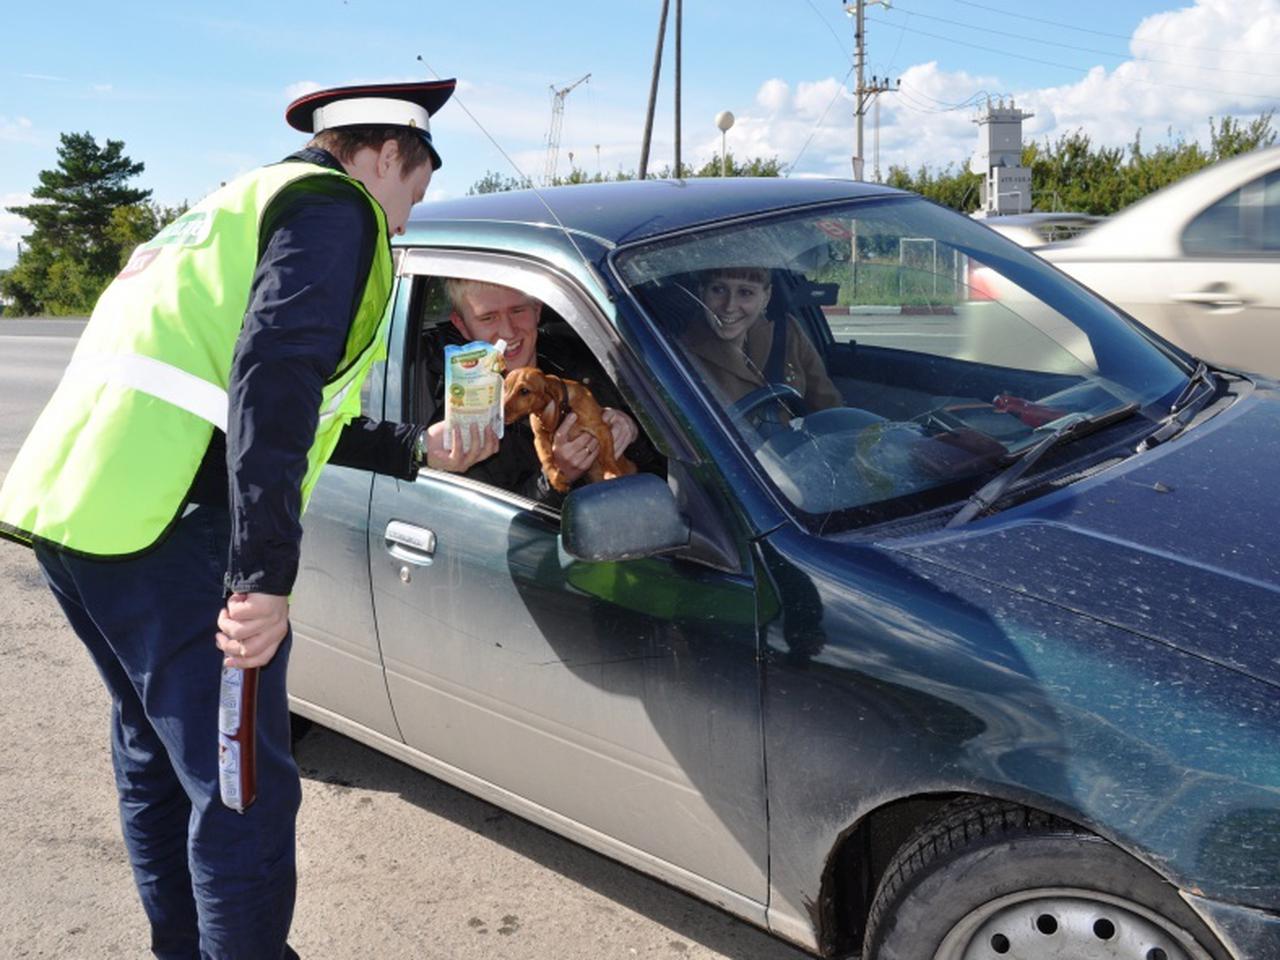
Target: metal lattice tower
(557, 121)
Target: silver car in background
(1042, 227)
(1198, 262)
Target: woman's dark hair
(345, 142)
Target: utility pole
(875, 151)
(864, 93)
(653, 92)
(553, 134)
(679, 19)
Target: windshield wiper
(1073, 426)
(1183, 409)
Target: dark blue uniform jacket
(315, 251)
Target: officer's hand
(460, 457)
(573, 457)
(251, 628)
(621, 427)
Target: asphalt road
(392, 863)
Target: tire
(990, 880)
(299, 727)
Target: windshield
(888, 355)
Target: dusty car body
(779, 675)
(1198, 262)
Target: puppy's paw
(556, 479)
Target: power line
(1078, 69)
(1105, 53)
(818, 125)
(912, 102)
(1099, 33)
(902, 32)
(826, 23)
(968, 101)
(915, 106)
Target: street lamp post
(724, 120)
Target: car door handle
(1218, 296)
(410, 543)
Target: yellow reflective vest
(107, 467)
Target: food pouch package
(473, 390)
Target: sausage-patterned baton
(237, 735)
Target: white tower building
(1006, 187)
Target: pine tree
(72, 253)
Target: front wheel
(990, 880)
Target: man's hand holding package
(461, 456)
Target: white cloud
(17, 130)
(774, 95)
(101, 87)
(1213, 58)
(812, 100)
(918, 125)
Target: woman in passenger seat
(740, 349)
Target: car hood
(1178, 544)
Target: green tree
(959, 189)
(751, 167)
(71, 254)
(493, 182)
(1230, 138)
(137, 223)
(1074, 174)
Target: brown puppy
(529, 391)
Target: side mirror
(622, 519)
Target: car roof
(1153, 226)
(621, 212)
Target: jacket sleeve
(310, 275)
(381, 446)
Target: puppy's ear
(553, 396)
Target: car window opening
(536, 336)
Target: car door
(335, 670)
(616, 702)
(1226, 292)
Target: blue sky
(197, 91)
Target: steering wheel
(785, 394)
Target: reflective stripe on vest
(172, 385)
(157, 379)
(110, 461)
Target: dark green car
(949, 635)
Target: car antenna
(523, 176)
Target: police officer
(163, 485)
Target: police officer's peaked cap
(374, 104)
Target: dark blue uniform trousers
(216, 884)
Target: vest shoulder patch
(189, 230)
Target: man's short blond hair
(456, 289)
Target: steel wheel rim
(1067, 923)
